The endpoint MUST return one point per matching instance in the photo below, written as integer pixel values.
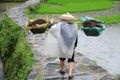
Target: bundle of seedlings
(37, 26)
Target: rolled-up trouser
(69, 59)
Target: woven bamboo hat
(67, 16)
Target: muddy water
(5, 6)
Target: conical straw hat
(67, 16)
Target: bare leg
(62, 64)
(71, 64)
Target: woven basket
(37, 28)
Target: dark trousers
(69, 59)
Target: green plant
(15, 51)
(22, 59)
(8, 39)
(31, 10)
(94, 61)
(118, 76)
(29, 14)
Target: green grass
(31, 10)
(15, 51)
(62, 6)
(113, 19)
(118, 76)
(110, 19)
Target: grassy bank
(112, 19)
(73, 6)
(15, 51)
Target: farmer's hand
(52, 21)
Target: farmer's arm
(51, 23)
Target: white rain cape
(60, 40)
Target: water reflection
(7, 5)
(58, 78)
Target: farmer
(62, 40)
